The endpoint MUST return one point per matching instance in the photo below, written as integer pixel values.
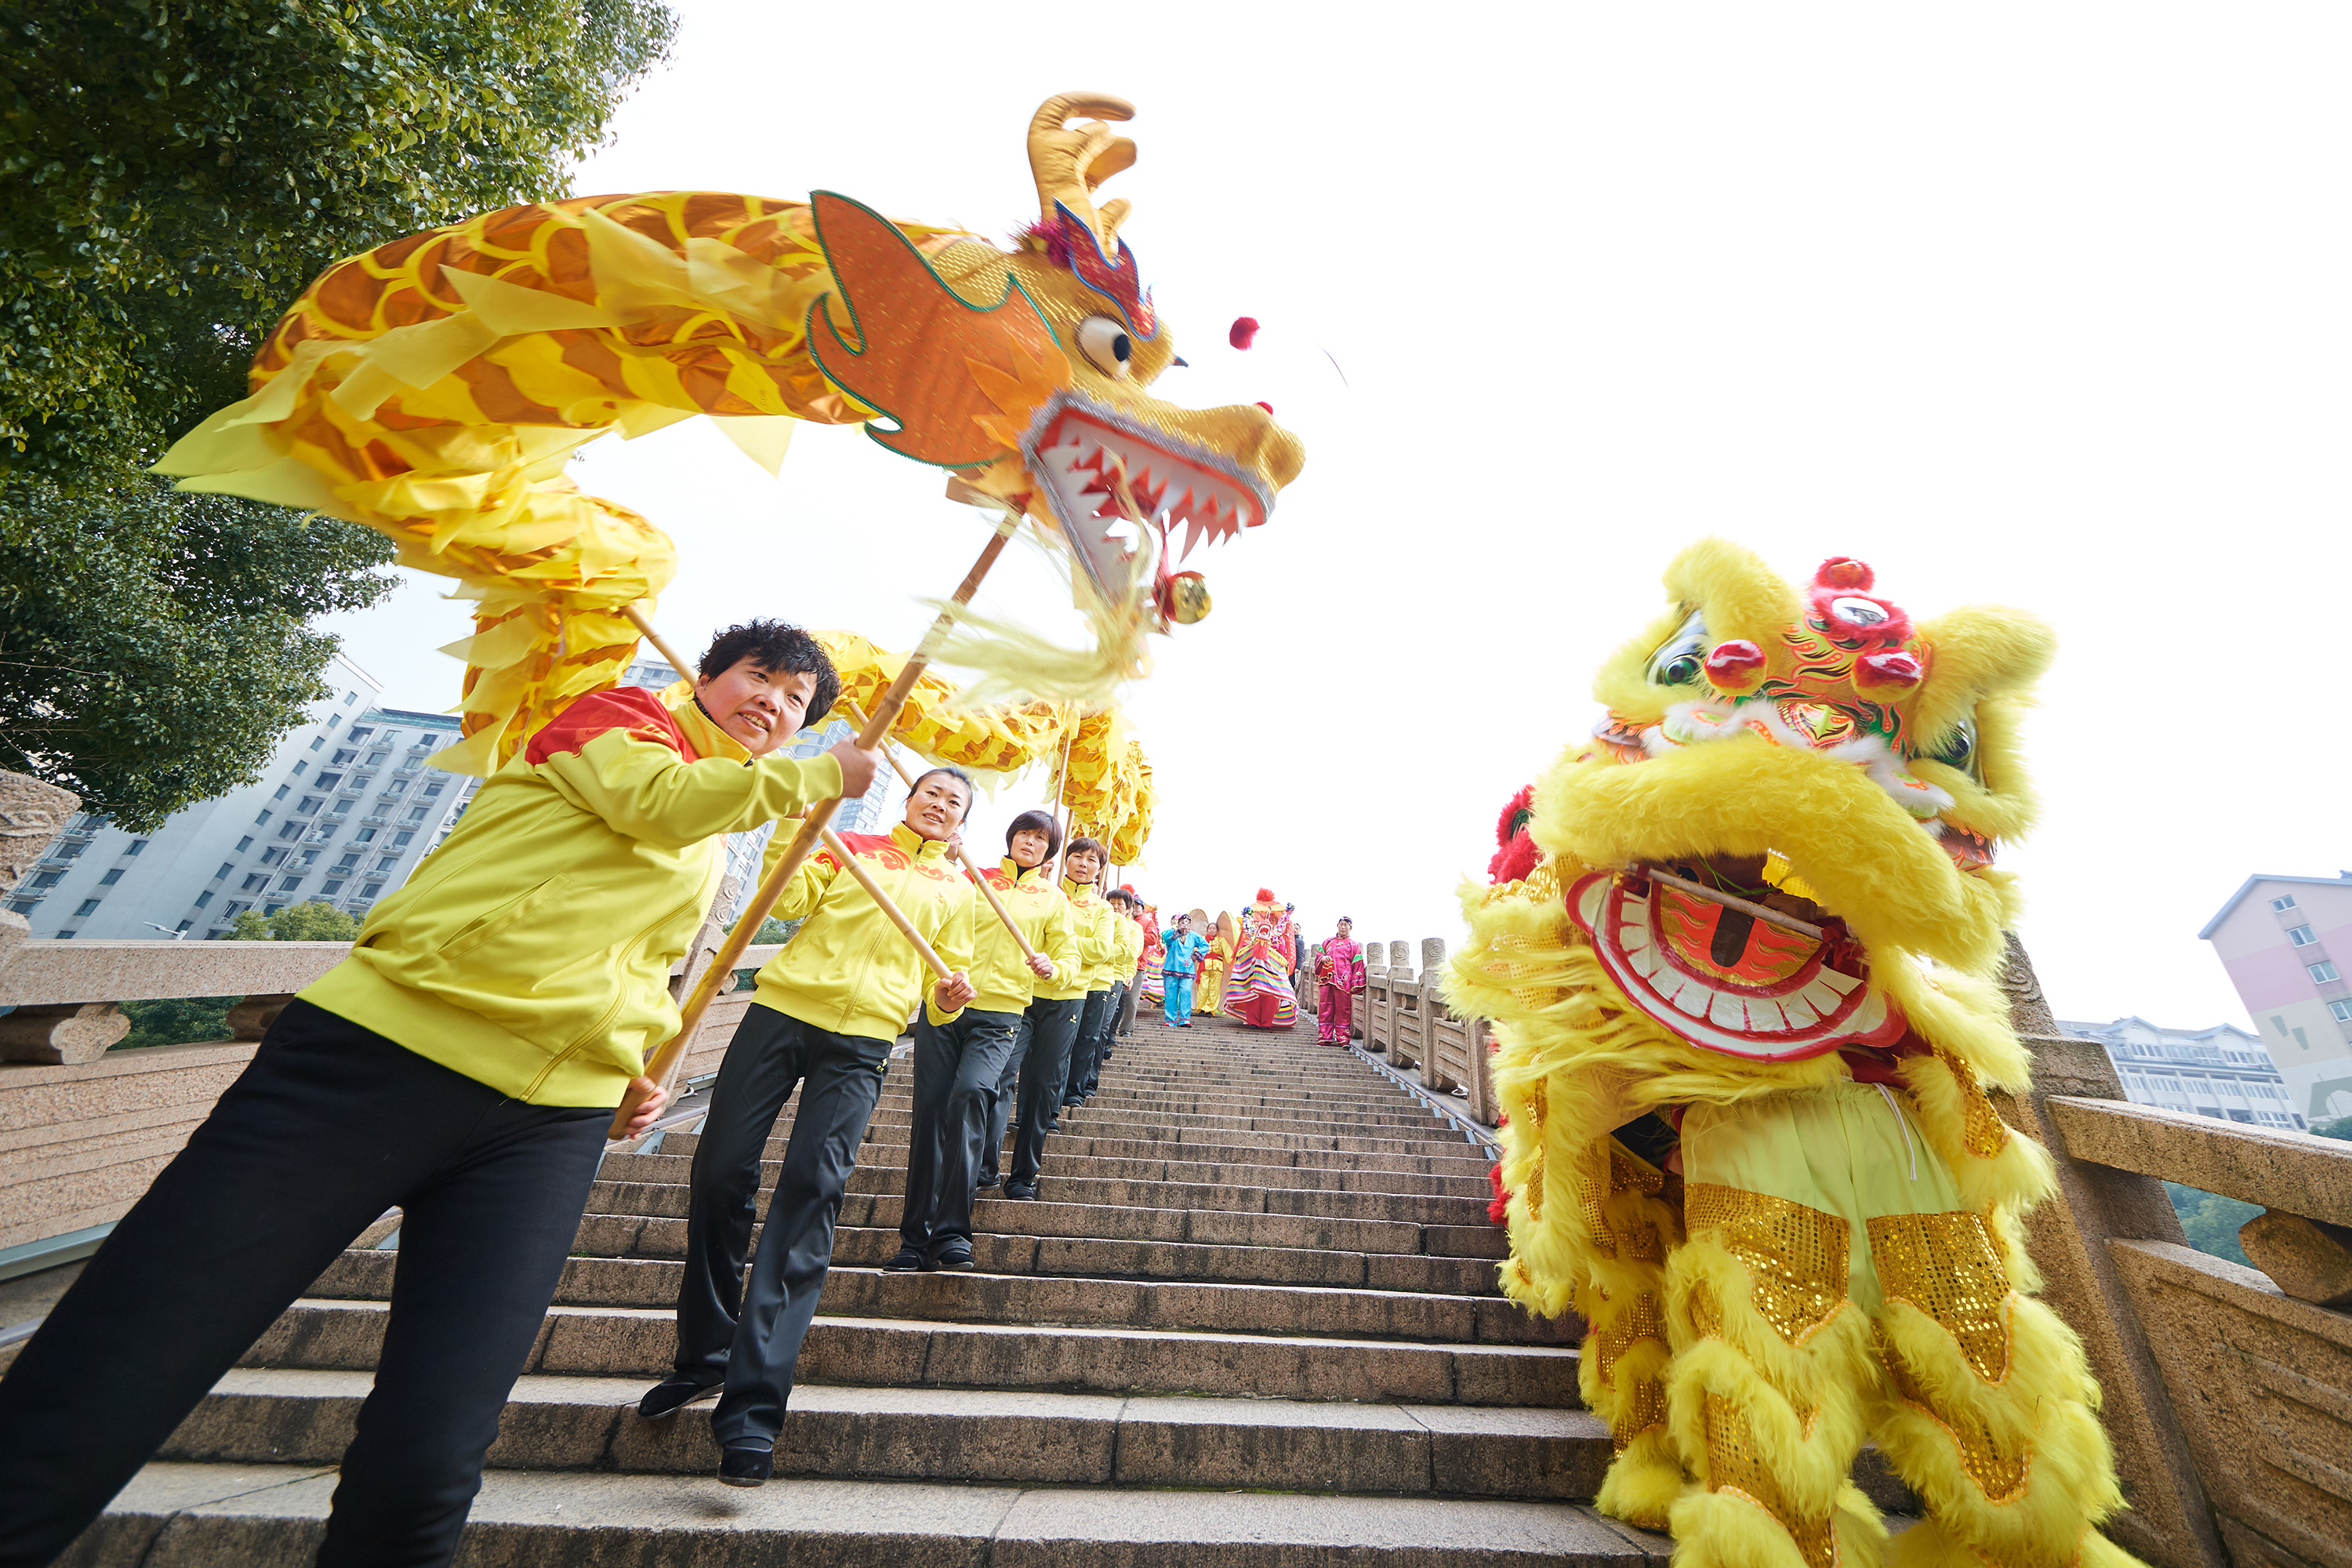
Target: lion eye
(1107, 346)
(1959, 749)
(1682, 660)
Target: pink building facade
(2287, 944)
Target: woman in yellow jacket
(961, 1067)
(1059, 1017)
(463, 1064)
(828, 1008)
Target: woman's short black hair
(1088, 847)
(1042, 822)
(780, 648)
(1119, 896)
(970, 790)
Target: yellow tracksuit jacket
(1121, 969)
(531, 951)
(1003, 977)
(848, 970)
(1090, 919)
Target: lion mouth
(1082, 450)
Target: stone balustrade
(84, 1128)
(1402, 1014)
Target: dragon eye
(1683, 659)
(1959, 749)
(1107, 346)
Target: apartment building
(2287, 943)
(2222, 1072)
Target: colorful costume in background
(1339, 970)
(1180, 959)
(1210, 991)
(1258, 991)
(1150, 988)
(1761, 1162)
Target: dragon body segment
(1746, 1020)
(436, 388)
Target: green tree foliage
(176, 1022)
(2211, 1221)
(175, 175)
(313, 921)
(2339, 1128)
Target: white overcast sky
(2040, 304)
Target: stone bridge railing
(84, 1128)
(2228, 1389)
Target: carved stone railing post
(2168, 1523)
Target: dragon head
(1842, 774)
(1061, 345)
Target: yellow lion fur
(1575, 1060)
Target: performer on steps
(1258, 989)
(1181, 951)
(1045, 1073)
(828, 1008)
(463, 1064)
(1339, 975)
(959, 1067)
(1085, 1066)
(1209, 992)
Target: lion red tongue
(1723, 980)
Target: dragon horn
(1070, 161)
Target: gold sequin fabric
(1982, 1131)
(1946, 1265)
(1736, 1462)
(1639, 1408)
(1641, 1404)
(2000, 1477)
(1796, 1256)
(1532, 1192)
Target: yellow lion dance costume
(1744, 1019)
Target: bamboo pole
(662, 1067)
(1770, 917)
(645, 625)
(978, 876)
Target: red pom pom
(1266, 895)
(1269, 409)
(1844, 571)
(1243, 332)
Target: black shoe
(906, 1262)
(747, 1462)
(988, 1179)
(954, 1254)
(673, 1395)
(1072, 1102)
(1023, 1191)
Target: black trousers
(752, 1338)
(329, 1125)
(1051, 1032)
(957, 1068)
(1128, 995)
(1094, 1031)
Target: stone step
(882, 1168)
(1451, 1213)
(1076, 1141)
(1015, 1299)
(640, 1342)
(247, 1516)
(635, 1236)
(273, 1415)
(1006, 1216)
(897, 1094)
(1224, 1132)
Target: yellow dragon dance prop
(1105, 781)
(1751, 1140)
(436, 388)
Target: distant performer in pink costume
(1258, 986)
(1339, 975)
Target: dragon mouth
(1078, 450)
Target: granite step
(1075, 1140)
(639, 1342)
(882, 1168)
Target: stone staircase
(1250, 1322)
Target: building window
(244, 844)
(415, 813)
(348, 861)
(300, 768)
(349, 698)
(331, 887)
(204, 898)
(399, 839)
(363, 835)
(226, 867)
(183, 925)
(271, 908)
(387, 862)
(309, 806)
(282, 792)
(2322, 973)
(397, 786)
(263, 819)
(431, 790)
(290, 832)
(23, 906)
(2342, 1011)
(111, 877)
(317, 741)
(375, 759)
(361, 733)
(371, 890)
(136, 846)
(253, 883)
(289, 884)
(47, 879)
(2283, 903)
(328, 781)
(272, 856)
(65, 936)
(344, 756)
(69, 851)
(89, 907)
(2302, 936)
